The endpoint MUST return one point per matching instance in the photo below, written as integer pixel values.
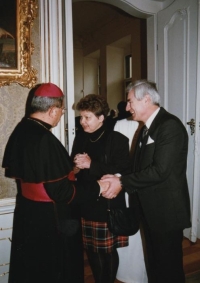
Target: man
(158, 185)
(46, 242)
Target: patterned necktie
(135, 138)
(144, 132)
(137, 152)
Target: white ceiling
(89, 17)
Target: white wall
(115, 76)
(86, 75)
(90, 75)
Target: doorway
(104, 36)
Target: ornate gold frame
(24, 74)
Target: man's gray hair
(42, 104)
(144, 87)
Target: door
(177, 80)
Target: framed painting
(16, 48)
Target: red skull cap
(48, 90)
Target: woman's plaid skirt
(98, 238)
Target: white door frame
(195, 232)
(57, 59)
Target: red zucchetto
(48, 90)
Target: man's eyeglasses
(62, 108)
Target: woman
(97, 151)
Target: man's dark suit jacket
(160, 180)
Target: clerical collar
(40, 122)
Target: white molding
(7, 205)
(152, 62)
(178, 14)
(69, 62)
(55, 48)
(52, 51)
(137, 8)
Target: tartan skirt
(98, 238)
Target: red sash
(37, 192)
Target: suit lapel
(157, 120)
(140, 146)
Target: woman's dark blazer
(160, 180)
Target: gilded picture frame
(16, 48)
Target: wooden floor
(191, 256)
(191, 260)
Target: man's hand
(103, 186)
(114, 188)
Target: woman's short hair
(95, 104)
(144, 87)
